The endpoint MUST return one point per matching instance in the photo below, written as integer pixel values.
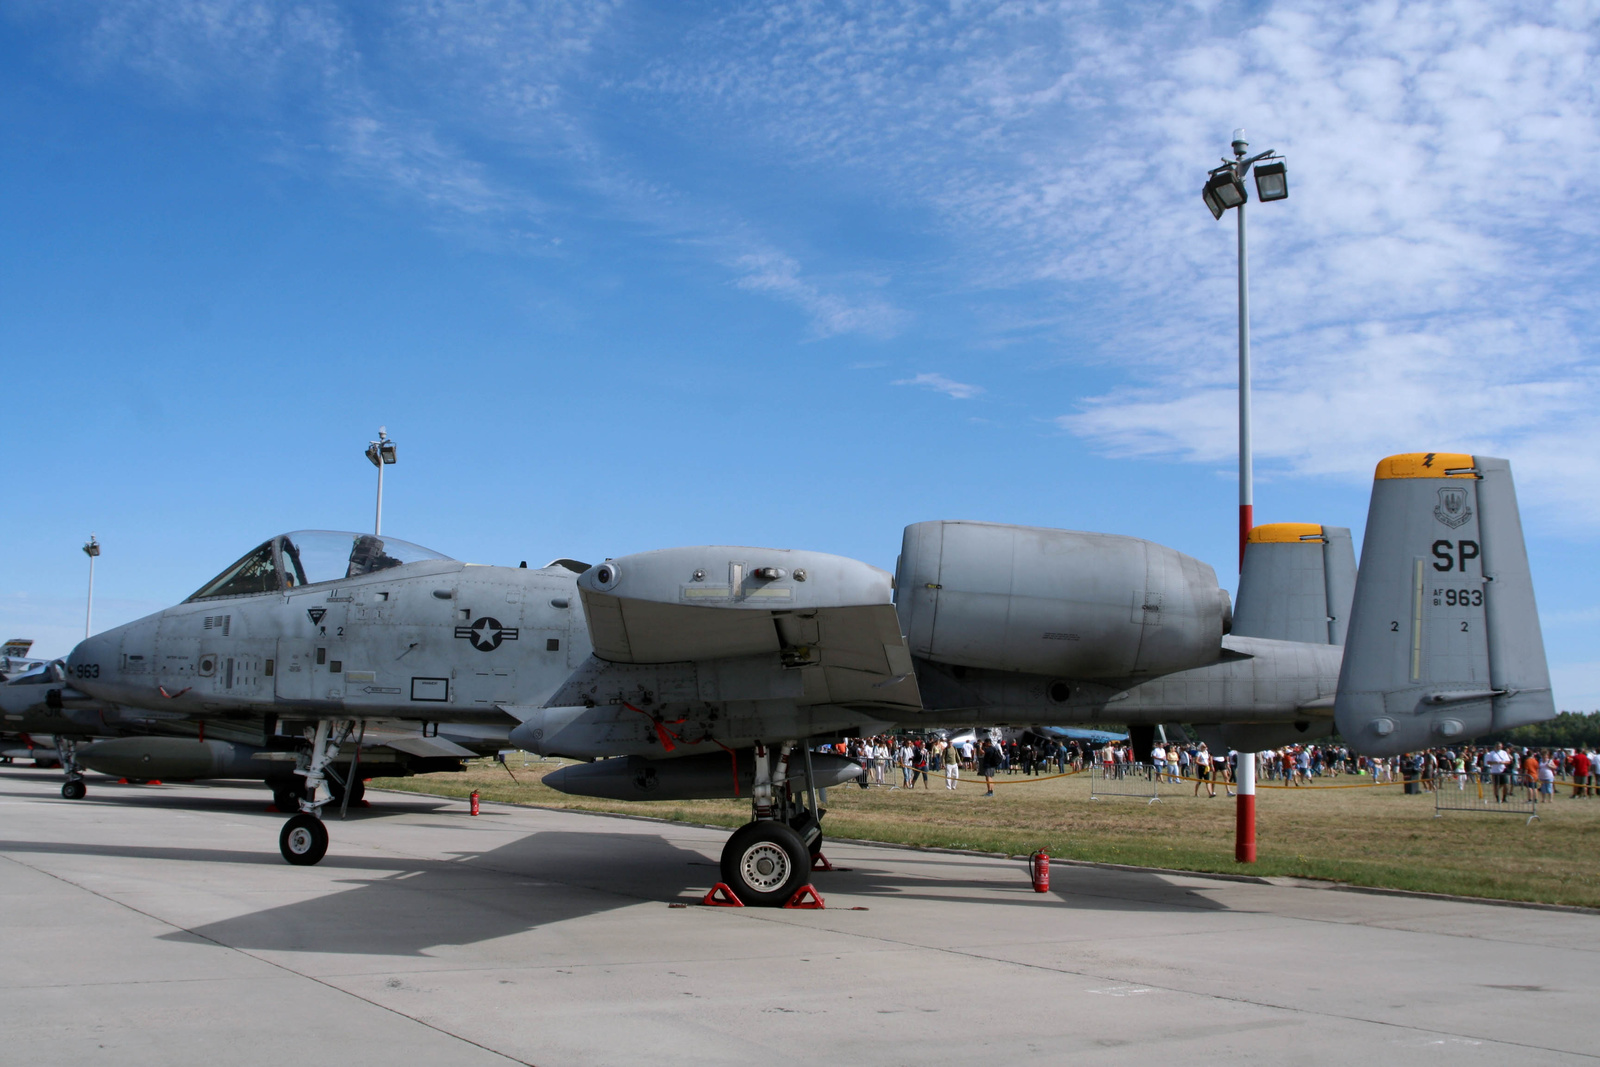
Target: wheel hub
(300, 841)
(765, 866)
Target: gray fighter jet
(699, 672)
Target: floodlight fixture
(382, 450)
(91, 548)
(1272, 181)
(1223, 190)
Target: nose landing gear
(304, 839)
(73, 788)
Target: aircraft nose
(93, 658)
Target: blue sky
(622, 276)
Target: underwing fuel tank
(180, 758)
(1031, 600)
(709, 776)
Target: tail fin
(1444, 640)
(1297, 583)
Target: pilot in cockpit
(368, 556)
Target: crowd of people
(901, 762)
(904, 761)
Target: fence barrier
(1474, 792)
(1128, 780)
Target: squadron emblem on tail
(1452, 508)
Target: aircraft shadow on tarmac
(544, 878)
(553, 876)
(202, 796)
(1077, 887)
(405, 905)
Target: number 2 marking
(1394, 627)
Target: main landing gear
(304, 838)
(767, 860)
(73, 788)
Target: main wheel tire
(304, 840)
(357, 792)
(74, 790)
(765, 863)
(286, 801)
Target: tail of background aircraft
(1297, 583)
(1444, 641)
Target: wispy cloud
(1426, 282)
(940, 384)
(831, 313)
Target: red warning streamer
(661, 729)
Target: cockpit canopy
(307, 557)
(43, 674)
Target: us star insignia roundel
(487, 633)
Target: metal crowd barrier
(1477, 794)
(1136, 780)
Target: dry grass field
(1372, 836)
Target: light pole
(381, 453)
(91, 548)
(1225, 189)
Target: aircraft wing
(830, 617)
(727, 646)
(429, 746)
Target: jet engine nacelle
(1056, 602)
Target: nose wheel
(67, 751)
(303, 840)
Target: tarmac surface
(158, 925)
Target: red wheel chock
(820, 863)
(722, 897)
(799, 900)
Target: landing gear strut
(304, 839)
(73, 788)
(767, 860)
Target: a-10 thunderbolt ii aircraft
(699, 672)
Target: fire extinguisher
(1039, 869)
(474, 802)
